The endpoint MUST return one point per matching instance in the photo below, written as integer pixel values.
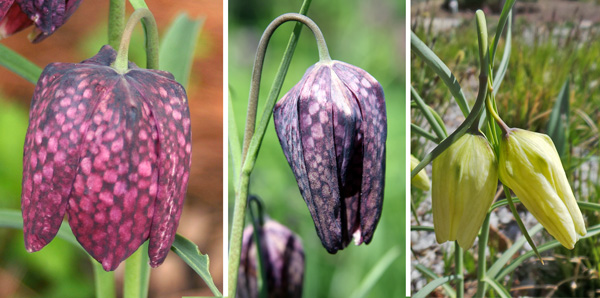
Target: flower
(47, 15)
(283, 257)
(420, 181)
(464, 179)
(332, 127)
(111, 150)
(531, 167)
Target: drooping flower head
(283, 258)
(420, 181)
(46, 15)
(113, 151)
(332, 127)
(531, 167)
(464, 179)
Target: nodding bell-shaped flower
(283, 257)
(332, 127)
(465, 178)
(46, 15)
(420, 181)
(111, 150)
(531, 167)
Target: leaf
(499, 77)
(502, 291)
(18, 64)
(509, 253)
(506, 11)
(190, 254)
(428, 288)
(427, 272)
(176, 53)
(441, 70)
(559, 119)
(377, 271)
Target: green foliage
(371, 38)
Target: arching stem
(151, 32)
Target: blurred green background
(370, 35)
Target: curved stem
(258, 65)
(116, 22)
(151, 31)
(491, 112)
(253, 141)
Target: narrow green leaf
(502, 291)
(376, 272)
(506, 10)
(428, 273)
(18, 64)
(190, 254)
(501, 72)
(435, 126)
(441, 70)
(419, 131)
(593, 231)
(177, 47)
(421, 228)
(432, 285)
(509, 253)
(520, 222)
(559, 119)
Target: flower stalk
(151, 33)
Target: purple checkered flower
(112, 151)
(332, 127)
(46, 15)
(283, 258)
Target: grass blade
(427, 272)
(438, 66)
(432, 285)
(509, 253)
(177, 47)
(502, 291)
(376, 272)
(501, 72)
(506, 11)
(559, 119)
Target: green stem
(481, 261)
(257, 224)
(258, 65)
(104, 281)
(239, 209)
(137, 273)
(19, 65)
(116, 22)
(459, 266)
(151, 32)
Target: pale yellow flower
(420, 181)
(531, 167)
(465, 178)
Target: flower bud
(531, 167)
(420, 181)
(464, 179)
(111, 150)
(283, 260)
(46, 15)
(332, 127)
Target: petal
(315, 111)
(61, 102)
(47, 14)
(369, 95)
(169, 107)
(12, 19)
(112, 204)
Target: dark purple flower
(47, 15)
(283, 258)
(111, 150)
(332, 128)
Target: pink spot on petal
(145, 169)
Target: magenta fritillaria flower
(46, 15)
(111, 150)
(283, 258)
(332, 127)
